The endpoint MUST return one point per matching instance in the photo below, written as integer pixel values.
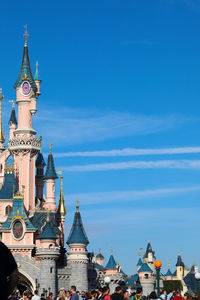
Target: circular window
(18, 229)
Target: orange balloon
(158, 264)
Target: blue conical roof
(169, 273)
(111, 265)
(25, 72)
(6, 191)
(139, 264)
(47, 233)
(145, 268)
(149, 250)
(50, 170)
(13, 118)
(40, 160)
(37, 76)
(77, 234)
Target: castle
(32, 225)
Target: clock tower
(24, 146)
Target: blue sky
(120, 103)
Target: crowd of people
(103, 294)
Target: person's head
(25, 294)
(139, 291)
(73, 289)
(118, 289)
(105, 290)
(42, 296)
(178, 293)
(83, 294)
(36, 292)
(126, 294)
(153, 295)
(68, 294)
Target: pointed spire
(61, 207)
(25, 72)
(149, 250)
(2, 138)
(180, 262)
(13, 118)
(37, 76)
(40, 160)
(111, 265)
(50, 170)
(77, 234)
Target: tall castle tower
(78, 255)
(23, 144)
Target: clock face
(26, 88)
(17, 229)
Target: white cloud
(126, 196)
(130, 152)
(158, 164)
(73, 126)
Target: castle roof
(139, 264)
(25, 72)
(111, 265)
(40, 160)
(50, 170)
(13, 118)
(39, 220)
(77, 234)
(149, 250)
(169, 273)
(190, 281)
(47, 232)
(18, 212)
(6, 191)
(145, 268)
(132, 280)
(180, 262)
(37, 76)
(100, 256)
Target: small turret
(111, 265)
(179, 268)
(12, 121)
(168, 275)
(2, 138)
(145, 274)
(139, 264)
(78, 255)
(37, 79)
(50, 176)
(100, 258)
(39, 178)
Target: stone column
(48, 270)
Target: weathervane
(26, 35)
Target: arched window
(51, 270)
(146, 276)
(8, 210)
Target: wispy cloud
(131, 152)
(159, 164)
(79, 126)
(126, 196)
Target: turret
(111, 267)
(78, 255)
(39, 178)
(179, 268)
(149, 256)
(50, 177)
(2, 138)
(168, 275)
(12, 122)
(48, 254)
(37, 79)
(100, 258)
(147, 281)
(61, 212)
(139, 263)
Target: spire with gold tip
(2, 138)
(61, 207)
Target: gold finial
(111, 250)
(2, 138)
(140, 251)
(61, 207)
(13, 103)
(50, 147)
(168, 266)
(26, 35)
(60, 172)
(48, 217)
(77, 206)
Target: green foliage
(172, 285)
